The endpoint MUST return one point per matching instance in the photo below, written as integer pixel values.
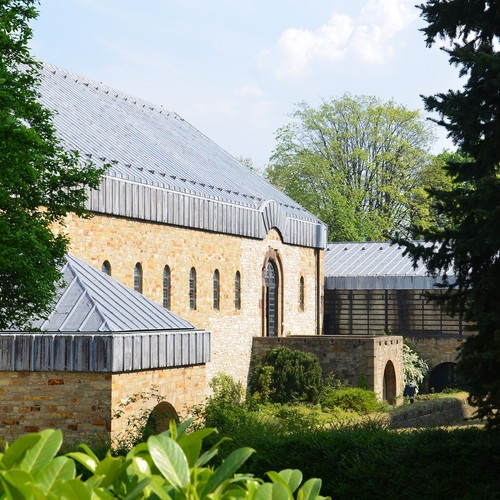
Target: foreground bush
(168, 466)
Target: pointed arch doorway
(272, 300)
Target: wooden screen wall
(400, 312)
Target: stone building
(371, 288)
(102, 344)
(187, 228)
(181, 221)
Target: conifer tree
(40, 182)
(467, 245)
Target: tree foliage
(467, 240)
(357, 163)
(40, 182)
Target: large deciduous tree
(468, 240)
(40, 182)
(357, 163)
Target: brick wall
(77, 403)
(124, 242)
(181, 387)
(81, 404)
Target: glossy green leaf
(183, 427)
(16, 451)
(228, 467)
(209, 454)
(16, 483)
(276, 478)
(102, 494)
(110, 468)
(137, 450)
(293, 478)
(84, 459)
(76, 489)
(138, 489)
(191, 444)
(310, 489)
(43, 451)
(170, 459)
(89, 452)
(139, 467)
(155, 489)
(272, 491)
(58, 470)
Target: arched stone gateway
(161, 416)
(389, 392)
(443, 376)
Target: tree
(468, 239)
(356, 163)
(40, 182)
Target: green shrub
(286, 376)
(354, 399)
(170, 465)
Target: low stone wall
(351, 358)
(443, 412)
(82, 404)
(77, 381)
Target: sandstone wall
(124, 242)
(352, 359)
(82, 404)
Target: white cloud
(369, 37)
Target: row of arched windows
(167, 285)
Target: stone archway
(389, 391)
(443, 376)
(161, 416)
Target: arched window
(166, 287)
(138, 277)
(301, 294)
(237, 291)
(272, 295)
(192, 288)
(106, 267)
(216, 290)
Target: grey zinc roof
(149, 145)
(373, 265)
(90, 301)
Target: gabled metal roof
(148, 145)
(371, 266)
(91, 301)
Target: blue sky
(236, 68)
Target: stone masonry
(124, 242)
(82, 404)
(376, 360)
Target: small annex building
(181, 221)
(372, 288)
(102, 343)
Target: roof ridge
(89, 297)
(78, 78)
